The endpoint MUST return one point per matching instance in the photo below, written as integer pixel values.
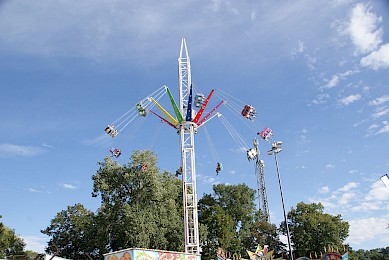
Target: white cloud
(206, 179)
(11, 150)
(47, 145)
(239, 150)
(373, 126)
(376, 128)
(299, 49)
(321, 99)
(365, 230)
(350, 99)
(331, 166)
(378, 192)
(101, 140)
(348, 187)
(363, 29)
(366, 206)
(111, 30)
(219, 5)
(384, 128)
(380, 113)
(34, 243)
(253, 15)
(346, 197)
(333, 82)
(379, 101)
(336, 78)
(351, 198)
(327, 204)
(33, 190)
(69, 186)
(324, 190)
(303, 136)
(378, 59)
(352, 201)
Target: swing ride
(186, 123)
(249, 112)
(111, 131)
(115, 152)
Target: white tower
(187, 131)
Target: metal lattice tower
(187, 131)
(259, 172)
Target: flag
(345, 256)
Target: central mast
(186, 130)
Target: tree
(373, 254)
(263, 233)
(69, 232)
(220, 226)
(232, 221)
(140, 207)
(10, 243)
(237, 201)
(311, 230)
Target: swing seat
(115, 152)
(199, 100)
(111, 131)
(265, 133)
(141, 109)
(249, 112)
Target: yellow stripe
(172, 120)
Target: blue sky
(317, 73)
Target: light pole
(275, 149)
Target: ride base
(149, 254)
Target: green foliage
(374, 254)
(69, 232)
(263, 233)
(10, 243)
(311, 230)
(236, 200)
(140, 207)
(232, 221)
(29, 255)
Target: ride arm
(176, 110)
(172, 119)
(217, 114)
(163, 119)
(189, 109)
(213, 110)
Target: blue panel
(189, 110)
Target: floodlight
(385, 180)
